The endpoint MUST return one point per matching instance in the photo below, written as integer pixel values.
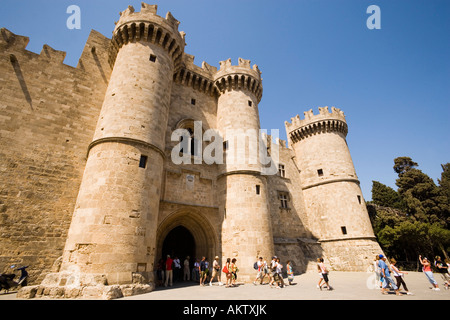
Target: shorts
(325, 276)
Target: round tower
(114, 223)
(246, 228)
(336, 210)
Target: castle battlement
(242, 76)
(96, 156)
(19, 43)
(199, 78)
(146, 25)
(15, 46)
(325, 121)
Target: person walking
(319, 285)
(377, 270)
(260, 273)
(442, 269)
(279, 274)
(216, 272)
(426, 268)
(234, 271)
(290, 272)
(398, 275)
(203, 271)
(273, 270)
(169, 272)
(227, 270)
(324, 271)
(386, 277)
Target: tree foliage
(414, 219)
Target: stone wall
(48, 113)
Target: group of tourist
(273, 271)
(385, 281)
(203, 272)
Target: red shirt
(169, 264)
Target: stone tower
(246, 228)
(87, 165)
(335, 208)
(114, 222)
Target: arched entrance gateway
(186, 233)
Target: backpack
(255, 265)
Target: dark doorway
(179, 243)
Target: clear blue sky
(393, 84)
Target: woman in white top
(399, 276)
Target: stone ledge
(100, 292)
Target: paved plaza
(346, 285)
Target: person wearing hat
(216, 271)
(386, 277)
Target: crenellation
(86, 165)
(9, 39)
(53, 55)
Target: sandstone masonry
(91, 199)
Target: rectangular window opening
(193, 102)
(152, 58)
(250, 103)
(359, 199)
(320, 172)
(283, 197)
(281, 171)
(143, 161)
(258, 189)
(344, 230)
(225, 145)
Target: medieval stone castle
(89, 194)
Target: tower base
(355, 254)
(70, 285)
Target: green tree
(423, 199)
(385, 196)
(403, 165)
(414, 219)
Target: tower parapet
(146, 25)
(241, 76)
(325, 121)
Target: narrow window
(143, 161)
(258, 189)
(344, 230)
(283, 197)
(359, 199)
(225, 145)
(152, 58)
(281, 170)
(193, 102)
(320, 172)
(250, 103)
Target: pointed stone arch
(205, 236)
